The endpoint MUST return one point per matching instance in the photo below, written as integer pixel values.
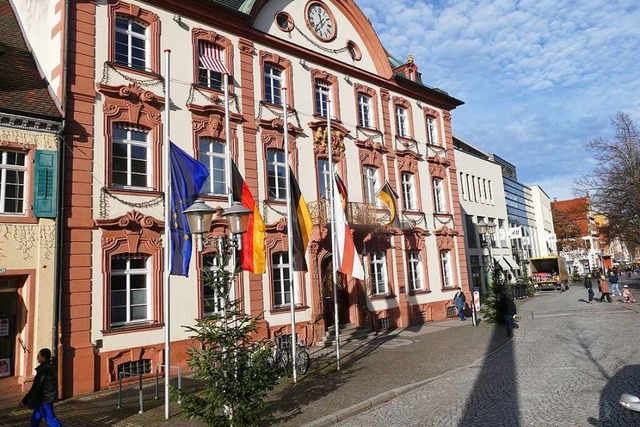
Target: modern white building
(482, 200)
(544, 234)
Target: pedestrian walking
(459, 300)
(613, 281)
(507, 310)
(588, 283)
(43, 391)
(604, 289)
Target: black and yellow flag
(301, 224)
(387, 196)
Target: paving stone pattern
(567, 365)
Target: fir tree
(234, 370)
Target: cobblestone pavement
(567, 365)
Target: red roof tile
(22, 89)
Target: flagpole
(292, 273)
(167, 240)
(334, 251)
(228, 177)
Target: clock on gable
(320, 21)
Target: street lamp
(199, 216)
(487, 229)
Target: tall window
(129, 289)
(212, 155)
(491, 192)
(475, 193)
(378, 273)
(408, 192)
(401, 121)
(211, 300)
(13, 168)
(370, 183)
(322, 98)
(472, 241)
(494, 240)
(415, 270)
(273, 84)
(130, 158)
(276, 174)
(206, 77)
(323, 177)
(364, 111)
(502, 232)
(280, 279)
(432, 133)
(445, 264)
(438, 195)
(131, 43)
(462, 190)
(484, 191)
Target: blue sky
(539, 78)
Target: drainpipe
(57, 332)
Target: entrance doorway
(9, 303)
(327, 295)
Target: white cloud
(540, 78)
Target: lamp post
(486, 229)
(199, 216)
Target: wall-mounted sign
(4, 327)
(515, 232)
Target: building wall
(545, 232)
(28, 259)
(477, 207)
(103, 221)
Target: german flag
(342, 191)
(252, 255)
(301, 224)
(388, 197)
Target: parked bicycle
(281, 354)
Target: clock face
(320, 22)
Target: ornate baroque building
(387, 125)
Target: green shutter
(45, 188)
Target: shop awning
(512, 263)
(503, 265)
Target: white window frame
(440, 204)
(279, 286)
(213, 303)
(280, 171)
(130, 143)
(364, 111)
(322, 96)
(491, 192)
(402, 126)
(370, 183)
(273, 75)
(131, 34)
(128, 272)
(408, 191)
(208, 158)
(414, 267)
(447, 271)
(432, 131)
(323, 178)
(21, 171)
(379, 277)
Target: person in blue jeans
(507, 310)
(43, 391)
(459, 300)
(613, 281)
(588, 283)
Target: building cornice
(16, 121)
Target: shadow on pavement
(610, 411)
(495, 387)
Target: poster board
(4, 367)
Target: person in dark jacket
(588, 283)
(459, 300)
(43, 391)
(508, 310)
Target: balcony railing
(358, 214)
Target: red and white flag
(347, 260)
(211, 57)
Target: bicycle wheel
(303, 360)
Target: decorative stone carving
(27, 139)
(131, 228)
(445, 238)
(408, 161)
(338, 132)
(132, 104)
(438, 166)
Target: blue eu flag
(187, 177)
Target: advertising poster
(4, 327)
(4, 368)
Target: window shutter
(45, 189)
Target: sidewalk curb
(358, 408)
